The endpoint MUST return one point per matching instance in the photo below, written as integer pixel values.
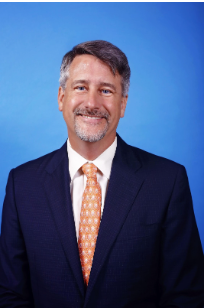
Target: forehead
(91, 66)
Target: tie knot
(90, 170)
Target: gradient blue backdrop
(164, 45)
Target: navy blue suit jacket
(148, 253)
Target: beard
(86, 134)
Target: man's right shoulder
(39, 165)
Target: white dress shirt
(78, 178)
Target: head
(94, 82)
(107, 53)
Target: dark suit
(148, 252)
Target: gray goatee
(85, 135)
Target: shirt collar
(102, 162)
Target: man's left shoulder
(154, 159)
(157, 165)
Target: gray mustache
(91, 112)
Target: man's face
(92, 102)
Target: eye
(105, 91)
(80, 88)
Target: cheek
(122, 112)
(111, 106)
(70, 104)
(116, 109)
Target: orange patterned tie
(89, 219)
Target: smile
(91, 120)
(90, 117)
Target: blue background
(164, 46)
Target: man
(55, 251)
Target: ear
(60, 98)
(123, 105)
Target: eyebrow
(79, 81)
(105, 84)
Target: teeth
(91, 117)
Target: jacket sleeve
(181, 264)
(15, 287)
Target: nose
(92, 100)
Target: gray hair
(106, 52)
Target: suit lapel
(125, 182)
(57, 186)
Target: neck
(91, 150)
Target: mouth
(91, 124)
(91, 116)
(91, 120)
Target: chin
(90, 136)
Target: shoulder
(154, 164)
(153, 159)
(161, 166)
(38, 166)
